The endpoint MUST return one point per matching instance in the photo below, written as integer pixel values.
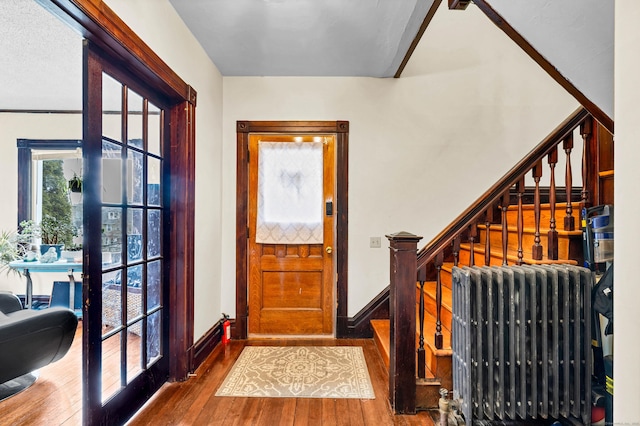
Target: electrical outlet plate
(374, 242)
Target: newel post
(403, 249)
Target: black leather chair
(31, 339)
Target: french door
(125, 281)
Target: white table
(61, 266)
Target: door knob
(329, 249)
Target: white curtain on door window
(290, 193)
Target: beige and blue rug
(299, 372)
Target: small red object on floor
(597, 416)
(226, 329)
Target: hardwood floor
(193, 402)
(56, 397)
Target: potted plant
(10, 249)
(53, 232)
(14, 246)
(72, 253)
(75, 183)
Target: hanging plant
(75, 183)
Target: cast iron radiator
(521, 340)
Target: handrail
(471, 214)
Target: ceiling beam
(416, 40)
(459, 4)
(589, 105)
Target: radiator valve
(449, 414)
(443, 405)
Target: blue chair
(60, 296)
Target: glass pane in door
(154, 129)
(135, 119)
(111, 360)
(111, 108)
(290, 193)
(132, 243)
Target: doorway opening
(340, 130)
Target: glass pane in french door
(132, 237)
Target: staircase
(438, 361)
(510, 224)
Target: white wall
(576, 36)
(627, 211)
(158, 24)
(15, 126)
(467, 90)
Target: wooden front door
(291, 234)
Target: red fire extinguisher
(226, 329)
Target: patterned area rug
(299, 372)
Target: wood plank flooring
(56, 397)
(193, 402)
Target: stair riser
(564, 241)
(496, 258)
(528, 215)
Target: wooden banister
(408, 265)
(475, 211)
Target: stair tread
(574, 205)
(513, 256)
(382, 335)
(430, 291)
(531, 230)
(382, 331)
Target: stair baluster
(567, 145)
(487, 241)
(552, 235)
(473, 233)
(585, 131)
(456, 250)
(422, 277)
(520, 224)
(536, 250)
(504, 206)
(438, 264)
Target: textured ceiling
(304, 37)
(40, 59)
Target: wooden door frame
(95, 21)
(341, 129)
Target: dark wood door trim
(341, 129)
(98, 23)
